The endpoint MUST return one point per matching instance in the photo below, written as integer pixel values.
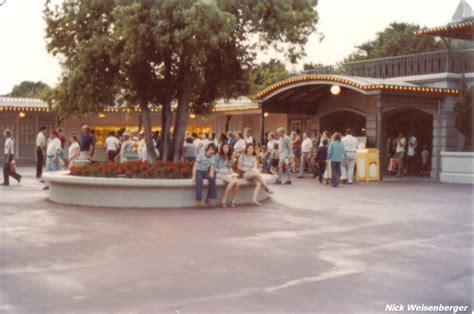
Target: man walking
(87, 144)
(306, 150)
(350, 146)
(284, 150)
(8, 169)
(40, 150)
(111, 146)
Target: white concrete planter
(457, 167)
(136, 193)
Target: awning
(460, 30)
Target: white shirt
(127, 146)
(111, 143)
(306, 145)
(54, 146)
(411, 146)
(142, 150)
(204, 143)
(40, 139)
(73, 150)
(350, 143)
(239, 146)
(9, 146)
(271, 145)
(401, 145)
(197, 142)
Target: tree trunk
(227, 122)
(148, 134)
(166, 123)
(181, 122)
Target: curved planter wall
(136, 193)
(457, 167)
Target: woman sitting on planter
(226, 174)
(247, 165)
(204, 168)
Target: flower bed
(135, 169)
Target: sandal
(256, 203)
(269, 191)
(223, 204)
(233, 204)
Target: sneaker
(277, 182)
(19, 179)
(287, 183)
(299, 177)
(5, 184)
(46, 188)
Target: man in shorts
(284, 151)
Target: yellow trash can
(368, 164)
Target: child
(274, 159)
(204, 168)
(320, 159)
(425, 158)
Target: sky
(344, 23)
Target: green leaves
(397, 39)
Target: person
(86, 144)
(306, 147)
(190, 150)
(321, 159)
(9, 170)
(425, 159)
(284, 149)
(274, 159)
(247, 166)
(213, 139)
(40, 151)
(296, 149)
(336, 153)
(157, 139)
(248, 138)
(324, 136)
(350, 146)
(62, 138)
(222, 140)
(111, 146)
(204, 168)
(239, 145)
(231, 138)
(225, 173)
(127, 146)
(315, 137)
(204, 142)
(271, 141)
(53, 153)
(400, 153)
(141, 148)
(411, 153)
(74, 150)
(265, 156)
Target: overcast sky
(345, 23)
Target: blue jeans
(211, 189)
(51, 166)
(336, 172)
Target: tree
(397, 39)
(28, 89)
(149, 53)
(267, 73)
(463, 110)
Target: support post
(379, 135)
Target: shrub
(136, 169)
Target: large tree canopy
(151, 53)
(30, 89)
(397, 39)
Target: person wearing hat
(87, 143)
(142, 151)
(127, 146)
(8, 168)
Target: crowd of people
(229, 157)
(405, 156)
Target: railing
(443, 61)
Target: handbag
(328, 172)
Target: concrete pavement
(312, 249)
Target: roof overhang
(366, 86)
(460, 30)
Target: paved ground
(312, 248)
